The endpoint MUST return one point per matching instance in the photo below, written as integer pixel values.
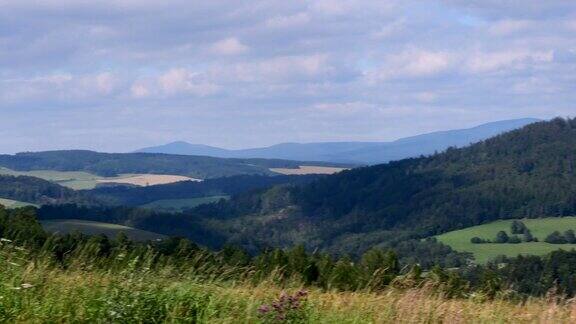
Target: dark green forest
(39, 191)
(234, 185)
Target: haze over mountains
(353, 152)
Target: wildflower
(302, 293)
(26, 286)
(263, 309)
(285, 308)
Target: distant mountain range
(353, 152)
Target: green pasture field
(540, 228)
(180, 204)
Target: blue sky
(117, 75)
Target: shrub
(528, 237)
(477, 240)
(518, 227)
(570, 237)
(502, 237)
(555, 238)
(514, 240)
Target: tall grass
(145, 289)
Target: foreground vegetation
(539, 227)
(79, 278)
(39, 294)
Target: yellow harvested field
(308, 169)
(148, 179)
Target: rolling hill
(354, 152)
(31, 190)
(115, 164)
(526, 173)
(186, 190)
(9, 203)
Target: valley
(288, 162)
(450, 221)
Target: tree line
(374, 270)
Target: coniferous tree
(502, 237)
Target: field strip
(308, 169)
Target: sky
(118, 75)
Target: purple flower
(263, 309)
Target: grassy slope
(91, 228)
(139, 295)
(540, 228)
(9, 203)
(77, 180)
(179, 204)
(72, 179)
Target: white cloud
(268, 59)
(482, 62)
(344, 108)
(229, 46)
(278, 69)
(508, 26)
(412, 63)
(182, 81)
(295, 20)
(139, 90)
(104, 82)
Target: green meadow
(64, 226)
(76, 180)
(181, 204)
(540, 227)
(9, 203)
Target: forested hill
(112, 164)
(38, 191)
(135, 196)
(524, 173)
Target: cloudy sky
(117, 75)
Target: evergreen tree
(555, 238)
(518, 227)
(501, 237)
(528, 236)
(570, 237)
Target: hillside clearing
(540, 227)
(65, 226)
(308, 169)
(146, 179)
(79, 180)
(9, 203)
(181, 204)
